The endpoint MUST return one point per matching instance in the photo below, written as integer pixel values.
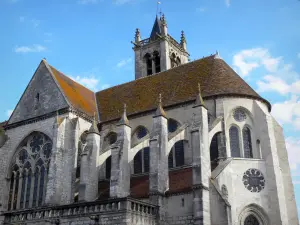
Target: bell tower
(159, 52)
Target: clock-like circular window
(239, 115)
(254, 180)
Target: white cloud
(85, 2)
(227, 2)
(9, 112)
(124, 62)
(288, 112)
(247, 60)
(27, 49)
(201, 9)
(90, 82)
(122, 2)
(104, 86)
(293, 148)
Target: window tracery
(141, 161)
(33, 152)
(172, 125)
(176, 155)
(247, 142)
(234, 141)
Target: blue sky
(89, 40)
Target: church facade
(186, 142)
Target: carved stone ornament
(254, 180)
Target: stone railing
(145, 41)
(124, 208)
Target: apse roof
(176, 85)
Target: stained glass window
(172, 125)
(176, 155)
(33, 152)
(247, 143)
(108, 168)
(141, 132)
(251, 220)
(234, 142)
(239, 115)
(141, 161)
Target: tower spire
(94, 128)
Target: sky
(90, 41)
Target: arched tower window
(176, 155)
(251, 220)
(173, 60)
(234, 142)
(156, 57)
(148, 61)
(33, 154)
(178, 61)
(141, 161)
(247, 142)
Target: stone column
(159, 171)
(88, 187)
(120, 170)
(201, 163)
(222, 143)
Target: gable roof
(78, 96)
(176, 85)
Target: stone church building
(186, 142)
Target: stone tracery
(31, 162)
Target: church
(186, 142)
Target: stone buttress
(88, 188)
(159, 172)
(120, 171)
(201, 163)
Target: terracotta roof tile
(176, 85)
(78, 96)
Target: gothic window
(34, 152)
(239, 115)
(176, 155)
(141, 161)
(108, 168)
(251, 220)
(156, 62)
(110, 139)
(148, 61)
(173, 60)
(247, 143)
(214, 151)
(81, 146)
(234, 142)
(141, 132)
(172, 125)
(178, 61)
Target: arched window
(148, 61)
(141, 161)
(176, 155)
(173, 60)
(156, 61)
(251, 220)
(214, 151)
(247, 142)
(234, 142)
(172, 125)
(108, 168)
(140, 132)
(178, 61)
(81, 146)
(34, 152)
(110, 139)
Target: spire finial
(124, 119)
(199, 99)
(160, 111)
(94, 128)
(137, 35)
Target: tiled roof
(77, 95)
(176, 85)
(179, 181)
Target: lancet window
(29, 172)
(156, 58)
(176, 155)
(148, 61)
(141, 161)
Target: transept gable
(41, 96)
